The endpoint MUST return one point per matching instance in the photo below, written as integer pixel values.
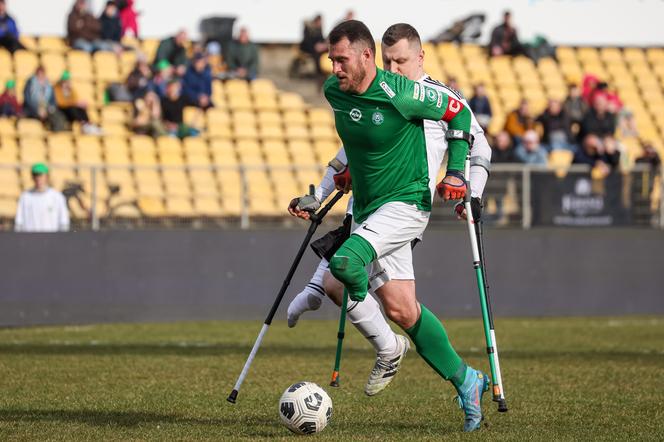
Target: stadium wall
(194, 275)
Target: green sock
(434, 346)
(348, 266)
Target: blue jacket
(8, 27)
(197, 83)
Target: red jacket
(9, 105)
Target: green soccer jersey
(383, 135)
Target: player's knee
(401, 315)
(333, 288)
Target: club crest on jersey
(377, 118)
(355, 114)
(431, 95)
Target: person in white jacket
(42, 208)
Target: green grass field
(565, 379)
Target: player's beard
(354, 79)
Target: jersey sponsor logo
(364, 226)
(416, 91)
(388, 90)
(422, 94)
(377, 118)
(439, 103)
(355, 114)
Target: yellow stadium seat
(106, 66)
(245, 131)
(240, 102)
(290, 101)
(25, 64)
(60, 148)
(7, 127)
(207, 206)
(219, 131)
(296, 132)
(115, 129)
(634, 55)
(236, 87)
(151, 206)
(127, 63)
(8, 207)
(32, 149)
(149, 47)
(194, 116)
(217, 116)
(8, 150)
(323, 132)
(243, 117)
(88, 149)
(29, 42)
(263, 86)
(29, 127)
(270, 131)
(218, 94)
(263, 102)
(194, 145)
(113, 114)
(54, 65)
(295, 117)
(80, 65)
(52, 44)
(6, 65)
(269, 117)
(320, 115)
(169, 145)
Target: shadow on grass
(225, 349)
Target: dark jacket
(111, 28)
(197, 83)
(173, 110)
(82, 25)
(601, 126)
(243, 56)
(169, 50)
(551, 124)
(312, 34)
(8, 27)
(582, 157)
(480, 105)
(503, 156)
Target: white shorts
(390, 230)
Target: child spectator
(529, 150)
(8, 30)
(197, 83)
(242, 57)
(519, 121)
(69, 104)
(481, 106)
(174, 51)
(9, 105)
(172, 107)
(557, 127)
(128, 17)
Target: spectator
(161, 78)
(174, 51)
(627, 124)
(481, 106)
(39, 101)
(8, 30)
(529, 150)
(590, 85)
(575, 107)
(452, 83)
(598, 120)
(197, 83)
(111, 28)
(519, 121)
(84, 29)
(557, 127)
(139, 80)
(313, 43)
(649, 155)
(349, 15)
(242, 57)
(128, 17)
(504, 39)
(503, 149)
(147, 115)
(172, 107)
(69, 104)
(9, 105)
(41, 209)
(598, 153)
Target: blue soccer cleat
(470, 398)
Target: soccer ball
(305, 408)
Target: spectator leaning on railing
(42, 208)
(8, 30)
(9, 105)
(243, 58)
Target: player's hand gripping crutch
(315, 219)
(477, 245)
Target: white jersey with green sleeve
(382, 131)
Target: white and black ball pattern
(305, 408)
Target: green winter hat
(39, 169)
(163, 64)
(10, 84)
(65, 76)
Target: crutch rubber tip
(232, 397)
(335, 379)
(502, 406)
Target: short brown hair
(400, 31)
(354, 31)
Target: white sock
(310, 298)
(369, 320)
